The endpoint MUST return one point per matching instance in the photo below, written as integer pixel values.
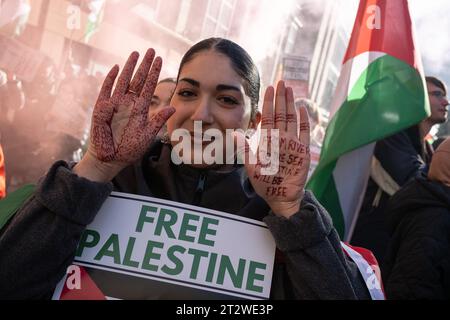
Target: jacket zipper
(200, 188)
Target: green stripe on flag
(328, 195)
(14, 200)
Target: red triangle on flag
(384, 26)
(371, 260)
(87, 290)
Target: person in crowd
(161, 98)
(13, 17)
(417, 264)
(25, 136)
(396, 159)
(12, 102)
(12, 98)
(218, 84)
(68, 119)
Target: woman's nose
(202, 112)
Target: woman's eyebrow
(222, 87)
(192, 82)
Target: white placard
(177, 244)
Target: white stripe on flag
(350, 73)
(370, 277)
(350, 177)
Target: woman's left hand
(281, 180)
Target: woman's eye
(228, 100)
(186, 93)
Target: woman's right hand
(121, 130)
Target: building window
(218, 18)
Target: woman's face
(161, 98)
(210, 91)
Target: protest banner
(146, 248)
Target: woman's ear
(255, 121)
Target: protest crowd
(74, 139)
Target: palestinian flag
(381, 91)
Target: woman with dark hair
(218, 87)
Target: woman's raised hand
(280, 183)
(121, 129)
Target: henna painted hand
(281, 183)
(121, 130)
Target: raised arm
(302, 228)
(121, 130)
(39, 242)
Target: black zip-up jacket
(40, 242)
(417, 263)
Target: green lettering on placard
(166, 224)
(177, 262)
(205, 230)
(252, 276)
(198, 254)
(149, 255)
(129, 251)
(143, 218)
(110, 249)
(185, 227)
(85, 243)
(226, 267)
(211, 267)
